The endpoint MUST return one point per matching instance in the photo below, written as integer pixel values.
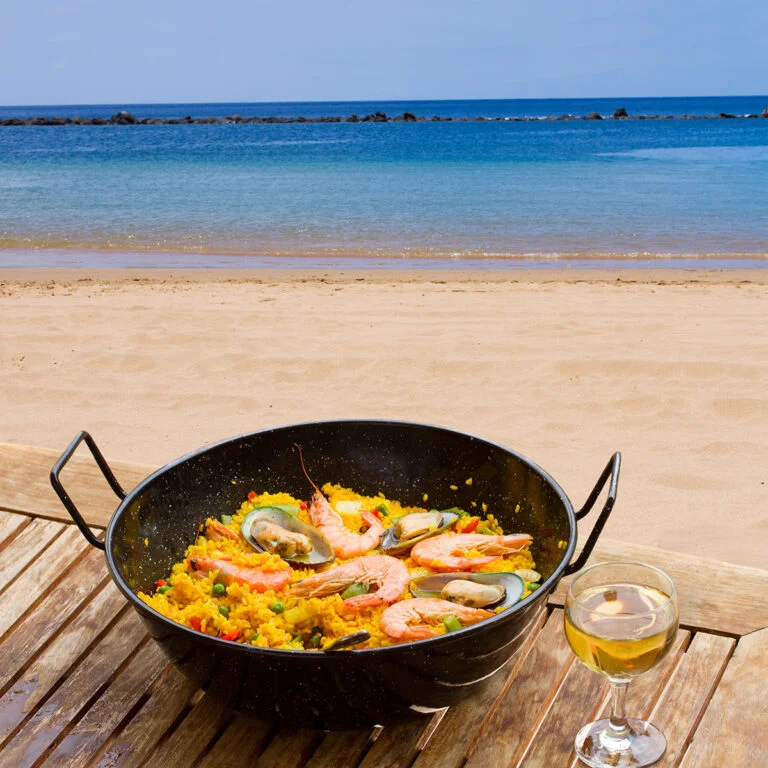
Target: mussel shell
(321, 551)
(432, 585)
(394, 546)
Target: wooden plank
(291, 748)
(25, 485)
(83, 742)
(581, 696)
(398, 745)
(341, 749)
(169, 696)
(688, 692)
(239, 745)
(26, 547)
(48, 616)
(705, 588)
(521, 707)
(57, 659)
(733, 728)
(47, 724)
(39, 578)
(457, 732)
(10, 523)
(644, 692)
(193, 735)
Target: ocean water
(382, 194)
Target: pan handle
(64, 496)
(611, 471)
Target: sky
(151, 51)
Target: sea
(474, 194)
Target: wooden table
(82, 684)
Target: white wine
(621, 630)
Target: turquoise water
(388, 193)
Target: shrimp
(344, 543)
(395, 620)
(216, 531)
(447, 552)
(256, 578)
(389, 575)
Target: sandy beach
(669, 367)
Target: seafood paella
(344, 570)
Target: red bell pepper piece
(251, 496)
(471, 525)
(233, 635)
(196, 624)
(160, 583)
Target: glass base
(599, 746)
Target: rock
(594, 116)
(98, 121)
(353, 119)
(620, 112)
(726, 115)
(186, 120)
(764, 113)
(566, 117)
(235, 118)
(409, 117)
(123, 118)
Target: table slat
(26, 547)
(57, 659)
(687, 694)
(25, 485)
(62, 708)
(454, 737)
(341, 749)
(22, 593)
(46, 619)
(10, 523)
(734, 729)
(523, 704)
(397, 745)
(83, 742)
(189, 740)
(168, 697)
(240, 744)
(291, 748)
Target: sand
(671, 368)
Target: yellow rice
(191, 601)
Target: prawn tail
(358, 603)
(418, 632)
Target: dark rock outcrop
(123, 118)
(594, 116)
(764, 113)
(620, 112)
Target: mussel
(273, 530)
(476, 590)
(410, 529)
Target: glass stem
(617, 723)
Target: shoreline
(22, 276)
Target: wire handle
(611, 471)
(64, 496)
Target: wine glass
(620, 620)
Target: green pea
(226, 519)
(164, 589)
(533, 586)
(277, 607)
(451, 623)
(353, 590)
(218, 590)
(224, 611)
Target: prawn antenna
(304, 469)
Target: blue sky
(99, 51)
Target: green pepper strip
(353, 590)
(451, 623)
